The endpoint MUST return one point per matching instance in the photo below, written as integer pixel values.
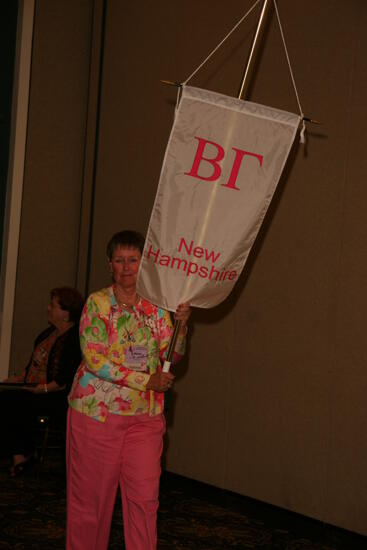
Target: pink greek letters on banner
(231, 183)
(222, 164)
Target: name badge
(136, 358)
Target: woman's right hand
(160, 381)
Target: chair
(52, 430)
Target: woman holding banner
(115, 422)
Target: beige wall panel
(348, 381)
(261, 406)
(198, 434)
(54, 164)
(290, 303)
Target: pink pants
(124, 450)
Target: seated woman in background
(50, 371)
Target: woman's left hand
(46, 388)
(183, 313)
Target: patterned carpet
(192, 515)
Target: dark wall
(8, 28)
(54, 167)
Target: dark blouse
(64, 356)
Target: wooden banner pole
(171, 346)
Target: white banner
(222, 164)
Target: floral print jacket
(120, 352)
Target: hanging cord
(302, 136)
(220, 43)
(303, 125)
